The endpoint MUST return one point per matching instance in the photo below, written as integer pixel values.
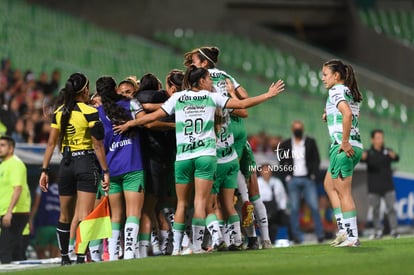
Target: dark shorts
(160, 180)
(81, 173)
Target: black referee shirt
(379, 170)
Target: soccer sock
(155, 242)
(198, 226)
(169, 215)
(71, 246)
(130, 236)
(350, 224)
(178, 231)
(144, 242)
(165, 238)
(242, 187)
(63, 233)
(250, 231)
(339, 218)
(235, 231)
(95, 250)
(261, 215)
(113, 242)
(214, 228)
(224, 232)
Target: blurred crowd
(25, 101)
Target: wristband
(45, 170)
(106, 171)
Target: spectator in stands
(380, 183)
(54, 83)
(19, 134)
(299, 159)
(14, 202)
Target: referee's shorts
(79, 171)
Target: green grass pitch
(388, 256)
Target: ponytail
(346, 72)
(351, 83)
(76, 84)
(106, 88)
(192, 77)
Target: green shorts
(240, 134)
(46, 235)
(340, 165)
(226, 176)
(132, 181)
(203, 167)
(247, 161)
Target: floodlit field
(389, 256)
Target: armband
(98, 131)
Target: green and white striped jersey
(337, 94)
(194, 121)
(225, 138)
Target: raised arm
(274, 90)
(140, 120)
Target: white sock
(225, 232)
(178, 232)
(185, 241)
(214, 228)
(261, 218)
(198, 236)
(242, 187)
(113, 245)
(340, 222)
(95, 252)
(169, 216)
(155, 242)
(130, 240)
(143, 248)
(234, 229)
(164, 241)
(351, 227)
(250, 231)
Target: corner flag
(97, 225)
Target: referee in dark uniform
(380, 184)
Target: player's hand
(44, 182)
(324, 117)
(347, 148)
(121, 128)
(276, 88)
(105, 182)
(230, 88)
(6, 220)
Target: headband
(208, 58)
(84, 86)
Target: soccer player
(342, 115)
(196, 158)
(77, 131)
(208, 57)
(125, 163)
